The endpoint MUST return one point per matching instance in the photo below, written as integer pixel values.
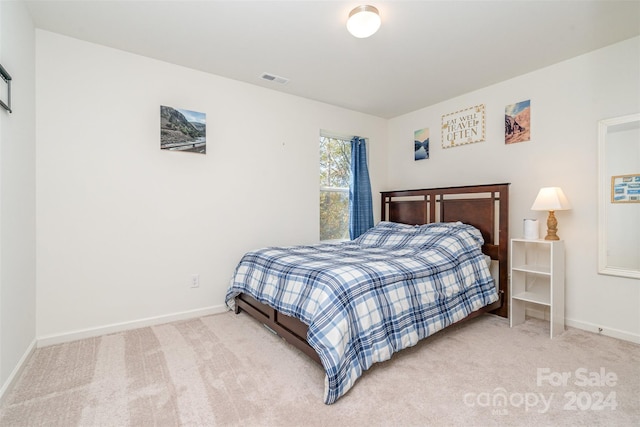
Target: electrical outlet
(195, 280)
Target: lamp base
(552, 227)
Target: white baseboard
(15, 374)
(586, 326)
(125, 326)
(603, 330)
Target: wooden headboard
(486, 207)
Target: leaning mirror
(619, 196)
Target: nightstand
(537, 276)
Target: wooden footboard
(294, 331)
(291, 329)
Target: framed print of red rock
(463, 127)
(517, 122)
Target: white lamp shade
(363, 21)
(551, 199)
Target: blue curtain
(360, 205)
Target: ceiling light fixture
(363, 21)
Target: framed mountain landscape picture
(421, 144)
(183, 130)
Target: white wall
(567, 100)
(17, 192)
(122, 225)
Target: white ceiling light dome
(363, 21)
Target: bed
(437, 257)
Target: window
(335, 174)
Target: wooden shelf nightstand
(537, 276)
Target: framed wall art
(463, 127)
(421, 144)
(5, 92)
(625, 189)
(183, 130)
(517, 122)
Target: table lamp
(551, 199)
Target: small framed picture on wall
(517, 122)
(421, 144)
(625, 189)
(183, 130)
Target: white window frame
(345, 190)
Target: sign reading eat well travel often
(463, 127)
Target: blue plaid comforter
(368, 298)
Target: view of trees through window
(335, 173)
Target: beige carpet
(229, 370)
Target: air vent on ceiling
(274, 78)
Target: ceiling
(425, 51)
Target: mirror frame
(603, 186)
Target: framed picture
(625, 189)
(517, 122)
(183, 130)
(421, 144)
(5, 92)
(463, 127)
